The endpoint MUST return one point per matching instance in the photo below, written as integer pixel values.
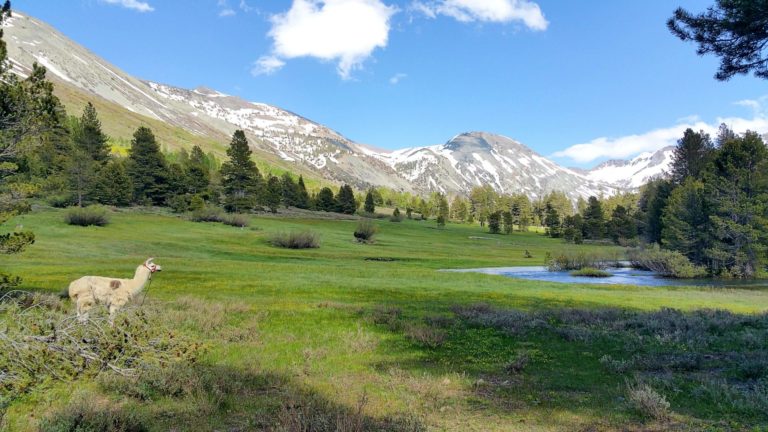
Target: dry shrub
(360, 341)
(426, 336)
(365, 231)
(518, 363)
(87, 216)
(207, 214)
(84, 415)
(295, 239)
(388, 316)
(42, 341)
(236, 220)
(647, 401)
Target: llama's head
(152, 266)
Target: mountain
(208, 118)
(631, 174)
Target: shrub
(647, 401)
(85, 416)
(365, 231)
(61, 200)
(396, 216)
(591, 272)
(295, 239)
(236, 220)
(518, 363)
(666, 263)
(579, 260)
(87, 216)
(207, 214)
(441, 221)
(178, 203)
(426, 336)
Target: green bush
(590, 272)
(85, 416)
(295, 239)
(565, 261)
(87, 216)
(365, 231)
(664, 262)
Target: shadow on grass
(206, 398)
(711, 366)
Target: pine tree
(686, 222)
(81, 171)
(325, 200)
(345, 200)
(458, 209)
(240, 178)
(113, 185)
(369, 206)
(197, 171)
(572, 228)
(89, 138)
(290, 190)
(442, 207)
(147, 168)
(494, 222)
(736, 191)
(273, 194)
(653, 200)
(692, 154)
(621, 225)
(302, 198)
(552, 222)
(594, 220)
(507, 221)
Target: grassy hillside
(120, 124)
(378, 323)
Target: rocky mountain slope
(631, 174)
(467, 160)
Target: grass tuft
(295, 239)
(87, 216)
(591, 272)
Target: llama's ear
(149, 260)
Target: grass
(327, 329)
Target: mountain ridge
(467, 160)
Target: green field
(333, 326)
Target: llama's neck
(140, 279)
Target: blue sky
(576, 81)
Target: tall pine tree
(686, 221)
(691, 155)
(147, 168)
(369, 206)
(345, 200)
(302, 199)
(240, 178)
(594, 219)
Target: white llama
(111, 292)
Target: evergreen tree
(325, 200)
(113, 185)
(734, 30)
(736, 191)
(369, 206)
(302, 199)
(653, 200)
(290, 190)
(442, 207)
(459, 209)
(147, 168)
(506, 218)
(345, 200)
(273, 194)
(686, 221)
(552, 222)
(240, 178)
(621, 225)
(494, 222)
(89, 138)
(692, 154)
(197, 171)
(572, 228)
(81, 172)
(594, 220)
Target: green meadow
(352, 336)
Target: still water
(624, 276)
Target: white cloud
(132, 4)
(502, 11)
(631, 145)
(245, 7)
(227, 12)
(396, 78)
(344, 31)
(224, 9)
(267, 65)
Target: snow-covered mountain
(631, 174)
(467, 160)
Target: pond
(623, 276)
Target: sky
(577, 81)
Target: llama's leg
(113, 309)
